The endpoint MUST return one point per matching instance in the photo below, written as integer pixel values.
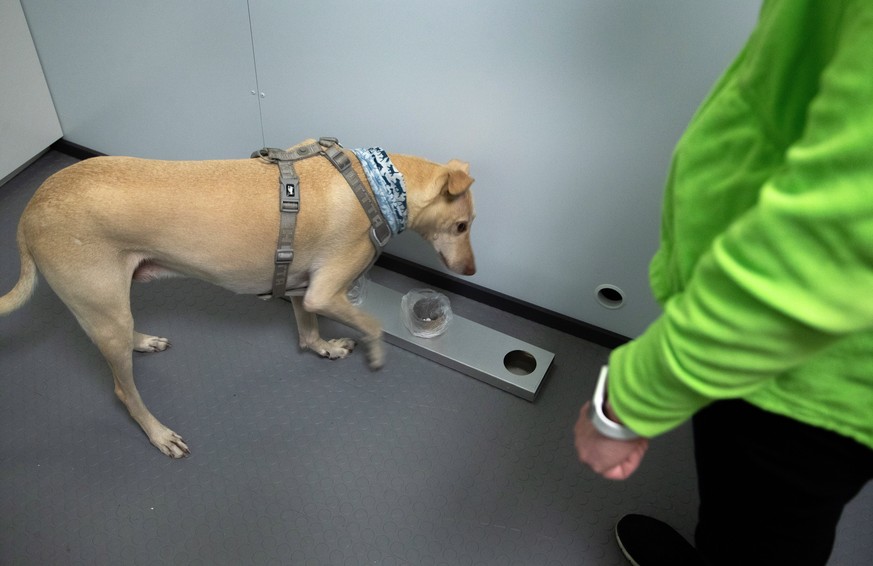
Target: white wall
(567, 110)
(28, 122)
(154, 78)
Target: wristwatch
(601, 422)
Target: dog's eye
(461, 227)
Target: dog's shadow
(193, 309)
(187, 311)
(203, 322)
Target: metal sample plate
(471, 348)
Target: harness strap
(380, 231)
(289, 203)
(289, 206)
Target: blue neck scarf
(387, 184)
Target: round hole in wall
(610, 296)
(520, 362)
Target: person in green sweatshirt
(765, 276)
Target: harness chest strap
(380, 231)
(289, 203)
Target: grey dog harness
(289, 204)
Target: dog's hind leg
(310, 338)
(112, 332)
(100, 300)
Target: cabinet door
(28, 118)
(170, 80)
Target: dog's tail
(23, 290)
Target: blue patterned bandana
(387, 184)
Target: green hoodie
(765, 269)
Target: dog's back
(214, 220)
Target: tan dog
(93, 227)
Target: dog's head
(447, 215)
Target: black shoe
(649, 542)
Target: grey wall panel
(153, 79)
(567, 111)
(28, 122)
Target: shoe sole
(622, 548)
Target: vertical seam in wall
(257, 81)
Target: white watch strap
(598, 417)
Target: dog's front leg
(310, 338)
(336, 306)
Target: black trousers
(771, 488)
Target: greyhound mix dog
(95, 226)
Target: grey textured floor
(299, 460)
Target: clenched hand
(612, 459)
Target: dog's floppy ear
(459, 179)
(457, 164)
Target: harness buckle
(338, 158)
(289, 199)
(380, 235)
(284, 256)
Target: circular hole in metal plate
(520, 362)
(610, 296)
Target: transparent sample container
(358, 291)
(425, 312)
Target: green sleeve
(786, 279)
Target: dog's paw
(377, 363)
(146, 343)
(336, 349)
(170, 443)
(376, 354)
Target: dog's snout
(465, 268)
